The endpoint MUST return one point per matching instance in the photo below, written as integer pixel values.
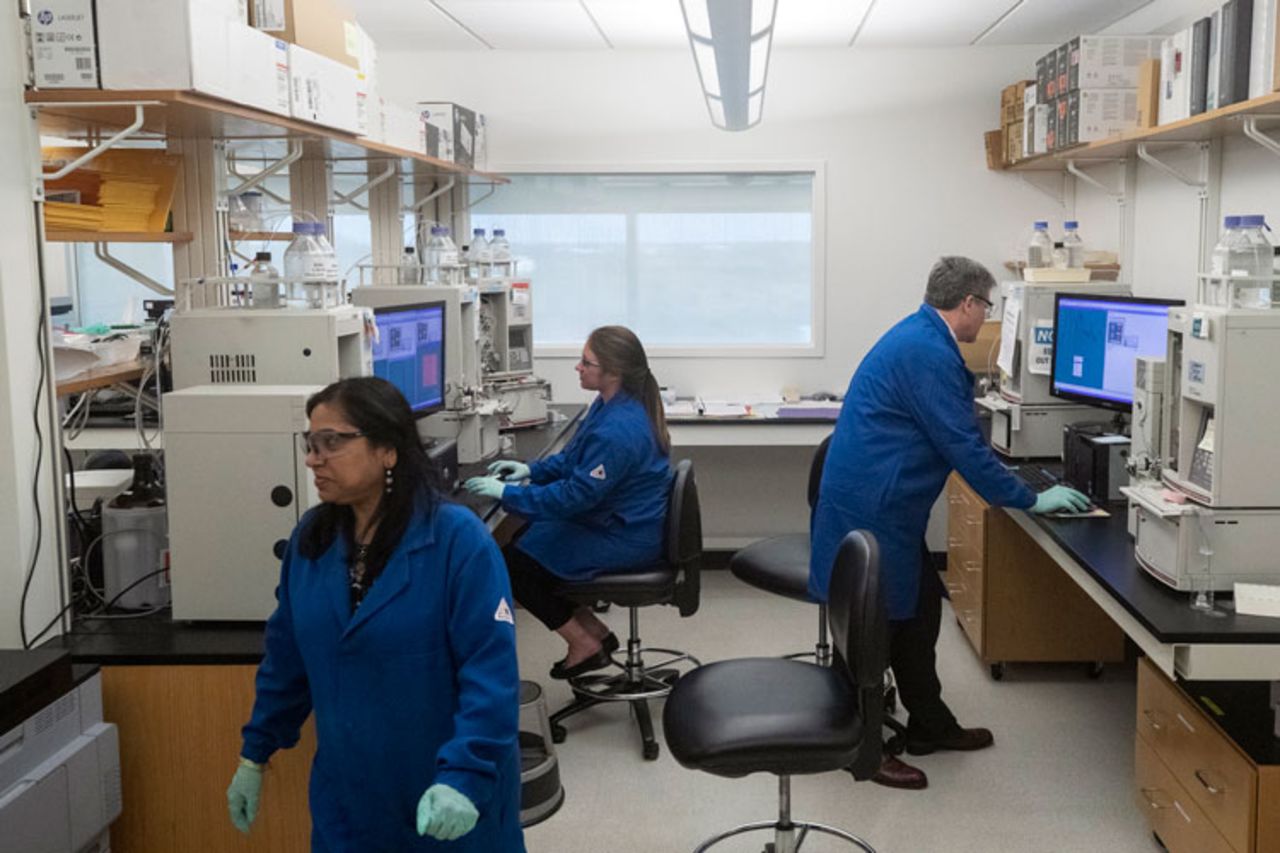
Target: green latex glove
(486, 487)
(1060, 499)
(445, 814)
(242, 796)
(509, 470)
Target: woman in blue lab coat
(598, 506)
(394, 626)
(906, 423)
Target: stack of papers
(725, 410)
(126, 189)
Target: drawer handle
(1184, 722)
(1152, 721)
(1208, 786)
(1177, 805)
(1149, 794)
(972, 566)
(954, 542)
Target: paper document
(1256, 599)
(681, 409)
(1096, 512)
(1009, 329)
(724, 410)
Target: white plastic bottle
(500, 250)
(1257, 294)
(479, 256)
(410, 270)
(1040, 249)
(1220, 261)
(434, 247)
(309, 256)
(1074, 245)
(266, 282)
(449, 265)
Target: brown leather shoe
(895, 773)
(962, 740)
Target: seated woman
(393, 627)
(599, 506)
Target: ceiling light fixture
(730, 40)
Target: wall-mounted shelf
(1228, 121)
(261, 236)
(78, 113)
(59, 236)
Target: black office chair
(780, 564)
(780, 716)
(674, 580)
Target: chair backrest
(815, 471)
(860, 632)
(683, 547)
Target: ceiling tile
(929, 23)
(1053, 21)
(527, 24)
(640, 23)
(400, 25)
(818, 23)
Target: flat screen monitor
(409, 353)
(1096, 342)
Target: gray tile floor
(1059, 778)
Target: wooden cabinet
(1012, 599)
(1199, 790)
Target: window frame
(815, 348)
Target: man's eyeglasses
(326, 442)
(984, 300)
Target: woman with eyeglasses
(598, 506)
(394, 626)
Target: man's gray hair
(953, 278)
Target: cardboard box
(321, 90)
(1051, 75)
(993, 141)
(403, 127)
(1149, 93)
(320, 26)
(1013, 142)
(1265, 37)
(1051, 127)
(259, 70)
(64, 45)
(457, 126)
(1043, 75)
(482, 143)
(433, 138)
(1104, 113)
(1175, 82)
(1073, 119)
(1073, 64)
(1012, 101)
(1111, 62)
(1035, 126)
(1064, 69)
(167, 44)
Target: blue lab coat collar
(931, 314)
(393, 580)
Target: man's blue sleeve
(942, 403)
(482, 642)
(605, 460)
(282, 698)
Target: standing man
(907, 422)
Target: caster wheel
(601, 607)
(997, 671)
(1095, 670)
(650, 752)
(769, 848)
(558, 734)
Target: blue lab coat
(906, 423)
(418, 686)
(601, 503)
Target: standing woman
(394, 626)
(597, 507)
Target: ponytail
(621, 353)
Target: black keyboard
(1036, 477)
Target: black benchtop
(160, 640)
(1102, 546)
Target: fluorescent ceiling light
(730, 41)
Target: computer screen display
(409, 353)
(1096, 341)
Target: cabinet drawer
(1218, 778)
(1172, 814)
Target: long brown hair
(621, 353)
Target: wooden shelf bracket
(1252, 131)
(103, 253)
(107, 144)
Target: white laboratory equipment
(1145, 457)
(135, 541)
(217, 339)
(1027, 422)
(506, 350)
(237, 485)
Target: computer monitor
(409, 353)
(1096, 340)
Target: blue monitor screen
(409, 353)
(1097, 340)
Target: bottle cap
(1254, 220)
(1057, 244)
(408, 250)
(263, 256)
(479, 232)
(1042, 225)
(499, 232)
(1071, 225)
(1231, 222)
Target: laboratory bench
(1206, 756)
(180, 692)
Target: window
(700, 262)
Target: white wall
(19, 309)
(900, 133)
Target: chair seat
(766, 715)
(649, 585)
(779, 565)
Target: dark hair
(378, 409)
(620, 352)
(953, 278)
